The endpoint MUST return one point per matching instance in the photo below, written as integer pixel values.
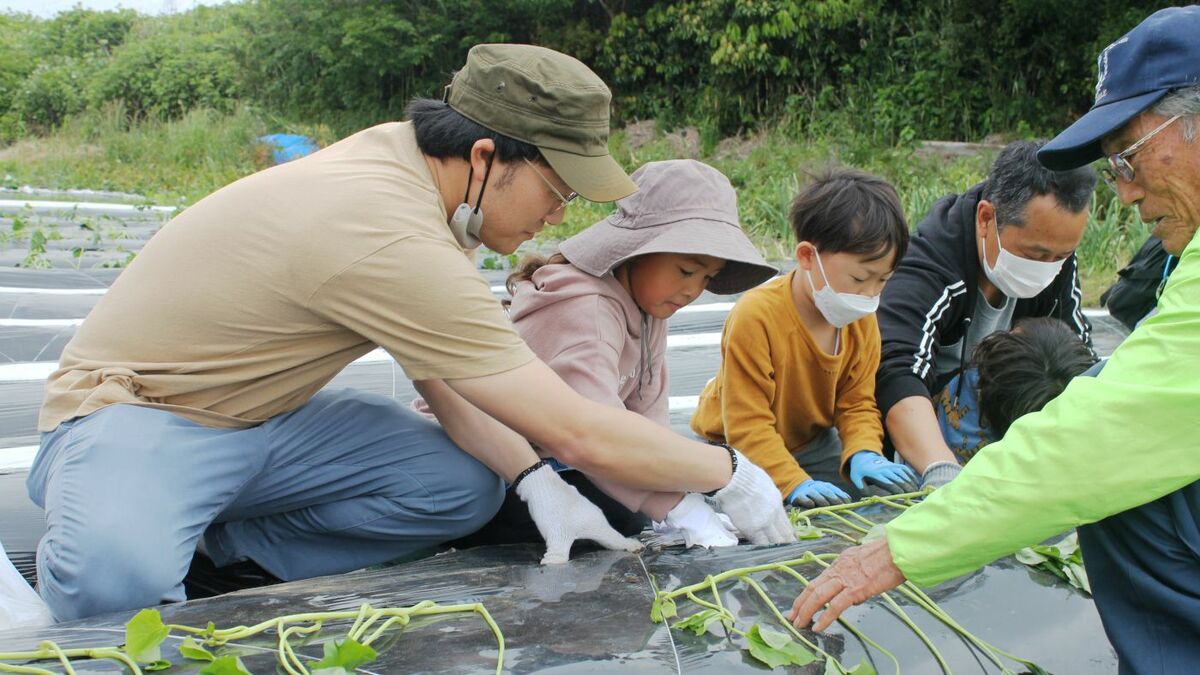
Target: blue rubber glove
(813, 493)
(871, 469)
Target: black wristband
(521, 476)
(732, 462)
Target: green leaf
(807, 532)
(1049, 551)
(1069, 545)
(143, 635)
(37, 242)
(347, 654)
(1030, 557)
(226, 665)
(774, 639)
(863, 668)
(777, 649)
(1064, 560)
(194, 651)
(662, 609)
(1077, 576)
(160, 664)
(698, 623)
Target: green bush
(896, 71)
(891, 72)
(169, 71)
(18, 34)
(12, 127)
(51, 92)
(314, 57)
(735, 62)
(82, 32)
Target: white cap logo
(1102, 66)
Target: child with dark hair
(1010, 374)
(596, 312)
(795, 390)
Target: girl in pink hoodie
(596, 312)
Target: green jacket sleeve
(1106, 445)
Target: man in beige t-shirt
(189, 403)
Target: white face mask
(840, 309)
(466, 222)
(465, 225)
(1019, 277)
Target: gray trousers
(347, 480)
(822, 459)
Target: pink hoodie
(590, 331)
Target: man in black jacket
(1001, 251)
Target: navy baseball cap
(1161, 54)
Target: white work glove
(563, 515)
(752, 502)
(421, 407)
(698, 524)
(939, 473)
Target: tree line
(894, 70)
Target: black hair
(1017, 177)
(850, 211)
(443, 132)
(1023, 369)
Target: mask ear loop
(486, 172)
(999, 248)
(817, 256)
(821, 266)
(470, 175)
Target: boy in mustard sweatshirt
(795, 390)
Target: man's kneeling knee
(97, 577)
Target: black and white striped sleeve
(915, 307)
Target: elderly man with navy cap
(1117, 455)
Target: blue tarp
(286, 147)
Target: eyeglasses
(1118, 164)
(565, 200)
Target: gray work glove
(695, 521)
(752, 502)
(563, 515)
(939, 473)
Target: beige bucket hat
(681, 206)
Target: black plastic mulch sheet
(593, 615)
(21, 524)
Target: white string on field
(44, 206)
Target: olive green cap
(549, 100)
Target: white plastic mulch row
(18, 458)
